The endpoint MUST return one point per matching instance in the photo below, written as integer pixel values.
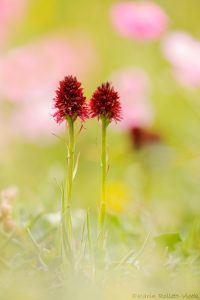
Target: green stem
(70, 162)
(66, 207)
(103, 182)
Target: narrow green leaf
(76, 166)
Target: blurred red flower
(141, 137)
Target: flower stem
(102, 212)
(70, 162)
(66, 210)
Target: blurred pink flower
(29, 76)
(183, 52)
(34, 122)
(10, 11)
(133, 85)
(31, 73)
(141, 21)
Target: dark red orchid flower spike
(105, 103)
(70, 101)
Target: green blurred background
(159, 184)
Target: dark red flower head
(105, 103)
(70, 101)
